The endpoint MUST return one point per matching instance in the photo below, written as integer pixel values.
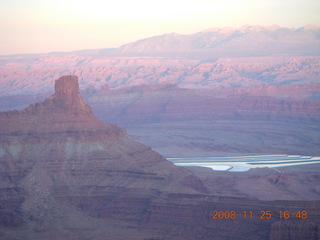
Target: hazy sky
(39, 26)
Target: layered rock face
(33, 75)
(58, 150)
(167, 102)
(294, 230)
(65, 174)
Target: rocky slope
(58, 150)
(67, 175)
(34, 75)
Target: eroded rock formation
(65, 174)
(57, 150)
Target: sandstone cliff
(33, 75)
(65, 174)
(58, 150)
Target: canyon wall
(65, 174)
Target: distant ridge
(245, 41)
(213, 58)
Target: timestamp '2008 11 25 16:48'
(263, 214)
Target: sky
(42, 26)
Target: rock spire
(64, 110)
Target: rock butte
(67, 175)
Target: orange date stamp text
(263, 214)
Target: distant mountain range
(211, 43)
(214, 58)
(229, 42)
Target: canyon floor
(227, 138)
